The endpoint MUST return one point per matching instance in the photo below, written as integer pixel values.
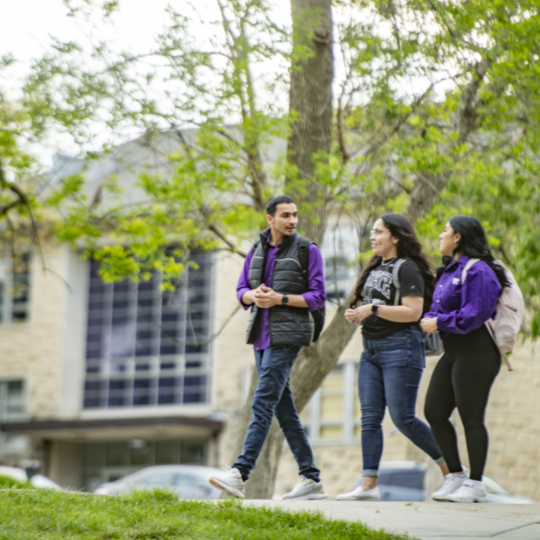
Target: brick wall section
(31, 350)
(231, 356)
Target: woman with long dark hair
(393, 358)
(465, 298)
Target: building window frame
(15, 290)
(349, 422)
(10, 444)
(164, 361)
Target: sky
(25, 25)
(26, 28)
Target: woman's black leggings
(463, 378)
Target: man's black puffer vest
(288, 325)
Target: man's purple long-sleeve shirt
(315, 296)
(459, 307)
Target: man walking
(281, 295)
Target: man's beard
(287, 232)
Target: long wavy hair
(473, 243)
(408, 247)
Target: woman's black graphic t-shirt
(379, 286)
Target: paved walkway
(431, 521)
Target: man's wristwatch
(285, 300)
(374, 308)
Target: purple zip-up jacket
(315, 296)
(461, 308)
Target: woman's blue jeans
(389, 376)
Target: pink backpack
(510, 310)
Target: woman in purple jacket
(465, 373)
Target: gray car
(189, 481)
(37, 480)
(405, 481)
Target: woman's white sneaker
(450, 484)
(470, 492)
(358, 494)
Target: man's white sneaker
(450, 484)
(230, 481)
(471, 491)
(306, 490)
(358, 494)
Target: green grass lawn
(159, 515)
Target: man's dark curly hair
(272, 205)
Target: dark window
(106, 461)
(15, 290)
(12, 401)
(167, 452)
(146, 346)
(193, 453)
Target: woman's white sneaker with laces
(470, 492)
(450, 484)
(230, 481)
(306, 490)
(358, 494)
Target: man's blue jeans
(274, 396)
(389, 375)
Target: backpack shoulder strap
(467, 267)
(255, 246)
(395, 279)
(303, 253)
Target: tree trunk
(310, 104)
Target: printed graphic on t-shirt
(378, 281)
(379, 289)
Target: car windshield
(156, 479)
(187, 480)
